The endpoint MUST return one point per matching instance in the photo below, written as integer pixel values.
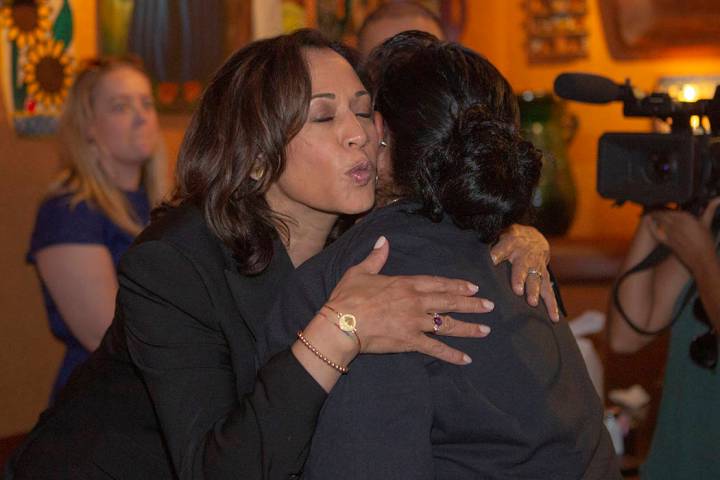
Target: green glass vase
(546, 123)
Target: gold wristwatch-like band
(347, 323)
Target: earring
(383, 143)
(257, 173)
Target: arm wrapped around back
(218, 417)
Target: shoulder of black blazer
(185, 228)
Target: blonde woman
(113, 174)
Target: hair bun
(456, 147)
(478, 120)
(500, 170)
(476, 112)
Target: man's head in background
(395, 17)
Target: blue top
(57, 223)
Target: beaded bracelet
(347, 323)
(317, 353)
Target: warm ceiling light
(688, 93)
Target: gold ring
(533, 271)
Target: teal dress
(686, 444)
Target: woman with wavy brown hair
(283, 142)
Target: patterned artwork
(181, 42)
(36, 62)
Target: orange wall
(495, 29)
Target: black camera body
(652, 169)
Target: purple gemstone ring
(437, 322)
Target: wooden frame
(555, 30)
(643, 29)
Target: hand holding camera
(689, 238)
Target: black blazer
(175, 388)
(525, 407)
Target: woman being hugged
(456, 172)
(114, 172)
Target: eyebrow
(119, 97)
(331, 96)
(127, 96)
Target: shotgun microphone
(588, 88)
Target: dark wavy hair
(452, 122)
(253, 106)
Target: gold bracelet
(347, 323)
(318, 354)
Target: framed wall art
(36, 62)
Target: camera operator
(683, 289)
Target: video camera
(652, 169)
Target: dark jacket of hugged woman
(459, 172)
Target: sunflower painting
(26, 22)
(35, 62)
(48, 74)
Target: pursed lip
(362, 172)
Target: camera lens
(660, 167)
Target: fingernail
(473, 288)
(494, 259)
(488, 304)
(484, 329)
(519, 288)
(466, 359)
(380, 242)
